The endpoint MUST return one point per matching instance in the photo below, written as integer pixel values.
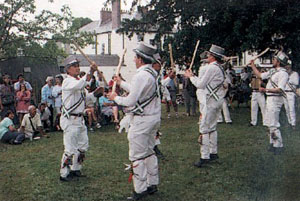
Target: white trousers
(208, 127)
(274, 104)
(75, 142)
(289, 105)
(258, 100)
(226, 113)
(209, 144)
(141, 137)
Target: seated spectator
(8, 133)
(21, 80)
(108, 107)
(90, 101)
(23, 101)
(45, 115)
(31, 125)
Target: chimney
(105, 16)
(116, 14)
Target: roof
(101, 60)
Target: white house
(108, 42)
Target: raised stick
(83, 54)
(259, 55)
(194, 55)
(171, 56)
(119, 69)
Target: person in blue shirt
(48, 98)
(8, 133)
(108, 107)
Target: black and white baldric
(213, 90)
(139, 106)
(66, 112)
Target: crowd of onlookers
(21, 119)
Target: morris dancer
(290, 90)
(277, 80)
(143, 97)
(212, 81)
(72, 121)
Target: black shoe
(271, 148)
(250, 125)
(201, 162)
(77, 173)
(138, 196)
(230, 123)
(213, 157)
(65, 179)
(158, 152)
(152, 189)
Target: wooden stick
(194, 55)
(118, 70)
(171, 56)
(83, 54)
(259, 55)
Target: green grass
(245, 170)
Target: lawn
(245, 170)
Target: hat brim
(281, 61)
(216, 54)
(144, 55)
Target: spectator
(190, 98)
(23, 101)
(170, 82)
(56, 93)
(111, 84)
(45, 114)
(7, 98)
(90, 101)
(8, 133)
(48, 98)
(108, 108)
(31, 124)
(101, 80)
(21, 80)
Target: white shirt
(212, 76)
(293, 80)
(279, 76)
(141, 88)
(56, 93)
(72, 89)
(90, 99)
(36, 122)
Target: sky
(79, 8)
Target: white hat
(282, 58)
(145, 51)
(49, 78)
(217, 51)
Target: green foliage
(235, 25)
(22, 29)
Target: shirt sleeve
(294, 79)
(201, 83)
(265, 75)
(125, 86)
(71, 84)
(137, 86)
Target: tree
(233, 24)
(35, 35)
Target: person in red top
(23, 101)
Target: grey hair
(31, 107)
